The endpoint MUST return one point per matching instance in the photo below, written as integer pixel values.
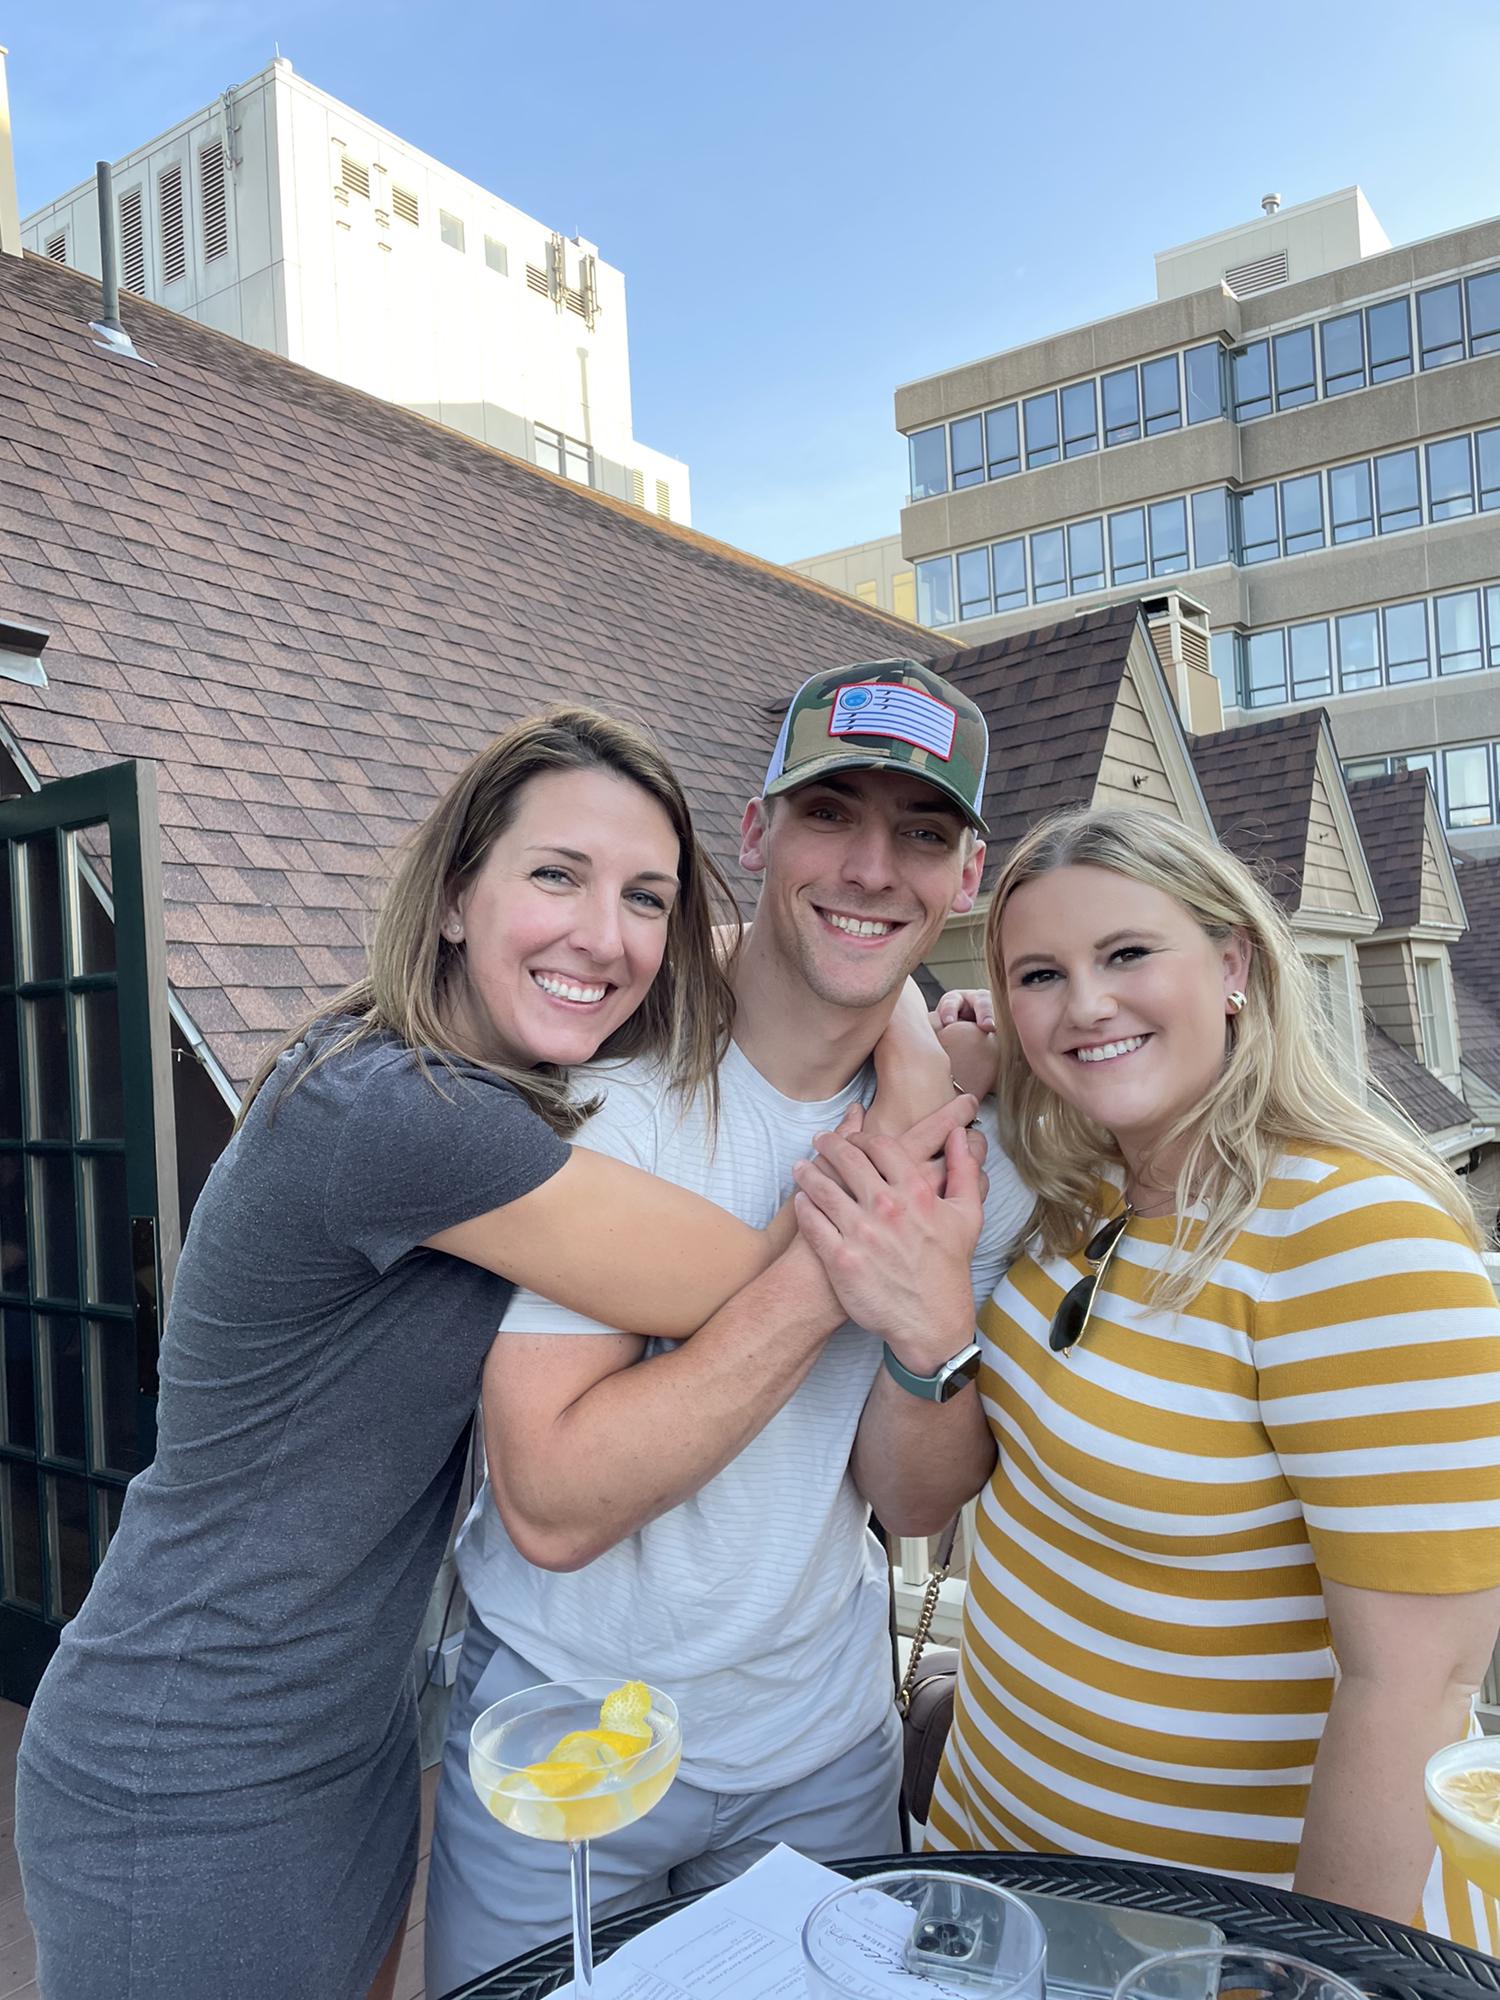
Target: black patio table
(1386, 1961)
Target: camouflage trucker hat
(894, 712)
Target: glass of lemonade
(1463, 1808)
(573, 1761)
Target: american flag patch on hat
(883, 708)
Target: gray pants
(492, 1894)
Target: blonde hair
(415, 974)
(1277, 1087)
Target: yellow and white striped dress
(1146, 1666)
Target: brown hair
(414, 972)
(1279, 1086)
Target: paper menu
(743, 1942)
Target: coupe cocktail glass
(544, 1766)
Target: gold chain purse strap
(937, 1576)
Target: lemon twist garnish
(626, 1709)
(576, 1761)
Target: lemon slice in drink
(603, 1748)
(556, 1779)
(1476, 1793)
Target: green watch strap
(945, 1383)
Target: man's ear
(754, 833)
(968, 888)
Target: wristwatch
(945, 1384)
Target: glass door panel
(88, 1224)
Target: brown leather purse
(925, 1697)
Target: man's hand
(895, 1249)
(964, 1022)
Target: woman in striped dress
(1237, 1570)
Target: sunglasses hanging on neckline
(1072, 1314)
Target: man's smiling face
(862, 870)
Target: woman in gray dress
(218, 1784)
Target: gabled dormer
(1279, 802)
(1080, 713)
(1404, 966)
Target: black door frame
(40, 846)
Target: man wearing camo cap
(747, 1584)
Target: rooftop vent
(355, 177)
(56, 247)
(173, 225)
(21, 648)
(1261, 274)
(1180, 633)
(404, 202)
(132, 241)
(112, 337)
(212, 195)
(1270, 203)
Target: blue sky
(814, 202)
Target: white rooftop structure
(287, 219)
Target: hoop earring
(1237, 1002)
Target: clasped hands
(894, 1223)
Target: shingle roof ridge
(1310, 719)
(1036, 638)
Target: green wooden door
(88, 1194)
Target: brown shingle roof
(1476, 955)
(1258, 781)
(309, 607)
(1391, 816)
(1478, 1030)
(1430, 1105)
(1050, 694)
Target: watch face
(961, 1369)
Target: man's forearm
(648, 1437)
(1365, 1840)
(917, 1463)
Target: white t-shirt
(760, 1605)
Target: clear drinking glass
(594, 1790)
(1235, 1972)
(1463, 1808)
(950, 1935)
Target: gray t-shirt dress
(218, 1789)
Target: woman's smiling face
(1119, 998)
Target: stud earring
(454, 929)
(1237, 1002)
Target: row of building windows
(1442, 481)
(1141, 401)
(1354, 349)
(1466, 779)
(1366, 345)
(1163, 539)
(1458, 633)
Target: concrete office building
(283, 217)
(1306, 426)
